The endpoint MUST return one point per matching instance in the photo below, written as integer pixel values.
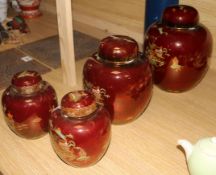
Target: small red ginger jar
(179, 48)
(80, 130)
(27, 104)
(120, 78)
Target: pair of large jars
(178, 48)
(80, 129)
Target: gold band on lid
(78, 104)
(25, 90)
(80, 112)
(118, 63)
(27, 82)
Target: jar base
(28, 138)
(175, 91)
(78, 166)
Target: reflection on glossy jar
(27, 104)
(80, 129)
(120, 78)
(178, 48)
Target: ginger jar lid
(78, 103)
(180, 15)
(26, 82)
(26, 79)
(118, 49)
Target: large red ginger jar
(120, 78)
(179, 48)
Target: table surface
(146, 146)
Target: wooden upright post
(65, 27)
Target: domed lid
(26, 79)
(118, 49)
(180, 15)
(78, 103)
(208, 146)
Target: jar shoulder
(96, 121)
(96, 66)
(118, 78)
(58, 117)
(162, 30)
(46, 90)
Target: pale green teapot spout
(201, 157)
(187, 146)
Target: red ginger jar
(80, 130)
(120, 78)
(178, 48)
(27, 104)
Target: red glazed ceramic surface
(29, 8)
(119, 78)
(27, 104)
(178, 49)
(80, 130)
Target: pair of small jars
(80, 129)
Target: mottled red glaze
(125, 88)
(27, 114)
(118, 47)
(178, 48)
(80, 141)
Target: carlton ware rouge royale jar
(27, 104)
(80, 129)
(178, 48)
(120, 78)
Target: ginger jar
(120, 78)
(27, 104)
(179, 48)
(80, 130)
